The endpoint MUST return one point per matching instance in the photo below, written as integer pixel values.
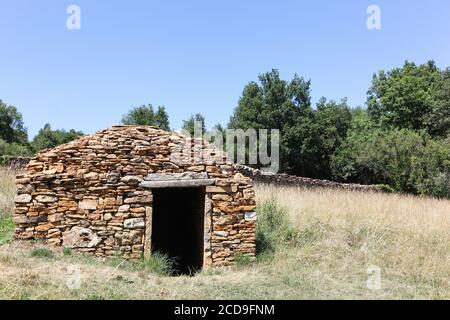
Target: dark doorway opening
(178, 227)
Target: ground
(317, 244)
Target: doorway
(178, 227)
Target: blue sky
(196, 56)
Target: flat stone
(220, 233)
(20, 219)
(23, 198)
(124, 208)
(44, 227)
(134, 223)
(38, 219)
(50, 171)
(236, 209)
(196, 168)
(112, 177)
(69, 204)
(22, 180)
(91, 176)
(216, 189)
(222, 197)
(239, 177)
(133, 180)
(176, 176)
(109, 202)
(227, 220)
(46, 199)
(88, 204)
(250, 216)
(139, 199)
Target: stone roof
(148, 146)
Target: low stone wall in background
(289, 180)
(15, 163)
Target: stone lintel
(169, 176)
(177, 183)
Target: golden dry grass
(339, 235)
(406, 236)
(7, 190)
(338, 207)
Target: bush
(42, 253)
(385, 188)
(406, 160)
(8, 150)
(158, 263)
(273, 230)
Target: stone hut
(135, 190)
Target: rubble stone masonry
(95, 194)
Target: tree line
(400, 139)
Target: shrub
(406, 160)
(273, 230)
(42, 253)
(158, 263)
(14, 150)
(385, 188)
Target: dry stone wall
(95, 194)
(289, 180)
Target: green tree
(440, 118)
(145, 116)
(162, 118)
(48, 138)
(405, 97)
(216, 135)
(332, 120)
(12, 128)
(344, 163)
(218, 127)
(189, 124)
(273, 103)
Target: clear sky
(196, 56)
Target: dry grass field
(317, 244)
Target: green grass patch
(157, 263)
(42, 253)
(6, 230)
(67, 252)
(242, 261)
